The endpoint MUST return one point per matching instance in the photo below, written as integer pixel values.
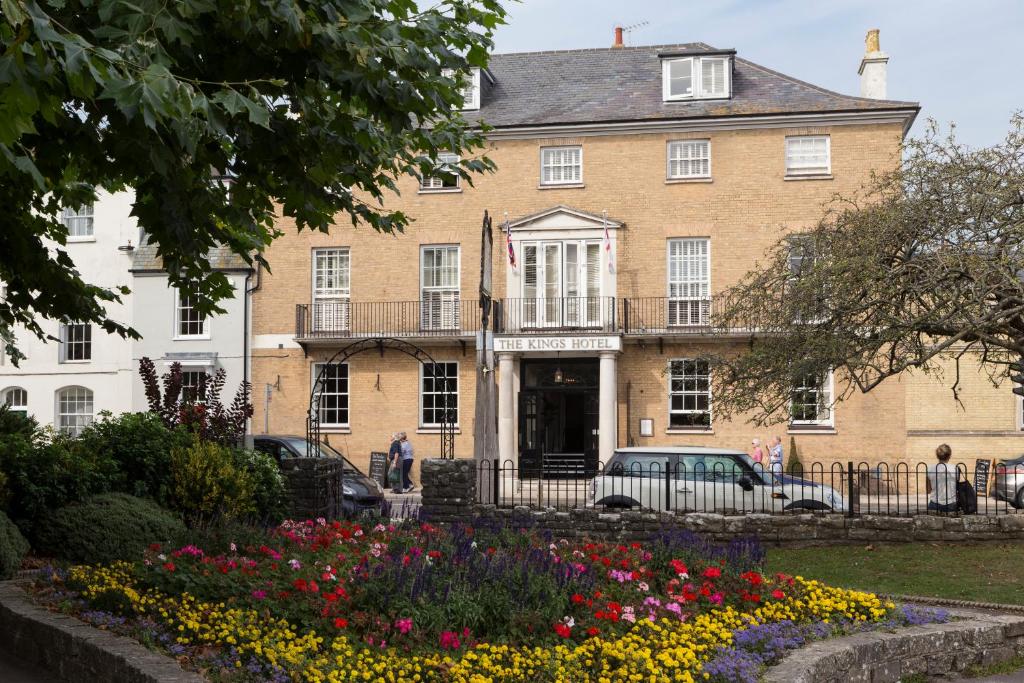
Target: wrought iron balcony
(667, 315)
(441, 315)
(558, 314)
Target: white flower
(161, 557)
(294, 564)
(569, 621)
(234, 548)
(473, 545)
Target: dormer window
(471, 91)
(688, 78)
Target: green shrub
(140, 445)
(13, 547)
(49, 470)
(208, 485)
(268, 492)
(104, 528)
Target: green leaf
(12, 10)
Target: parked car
(697, 479)
(360, 492)
(1010, 481)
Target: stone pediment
(561, 217)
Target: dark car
(1010, 481)
(361, 494)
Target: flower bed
(320, 601)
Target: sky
(963, 60)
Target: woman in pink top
(757, 454)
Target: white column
(607, 419)
(506, 421)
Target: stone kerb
(975, 638)
(75, 651)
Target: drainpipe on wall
(245, 339)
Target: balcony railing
(559, 314)
(440, 315)
(444, 314)
(667, 315)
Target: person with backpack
(940, 481)
(395, 463)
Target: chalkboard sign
(379, 467)
(981, 469)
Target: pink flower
(449, 640)
(404, 625)
(294, 564)
(716, 598)
(259, 595)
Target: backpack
(966, 498)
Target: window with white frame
(561, 165)
(695, 78)
(471, 90)
(189, 320)
(689, 394)
(446, 178)
(333, 399)
(811, 400)
(193, 386)
(75, 343)
(332, 289)
(561, 285)
(439, 287)
(74, 409)
(78, 220)
(689, 281)
(810, 306)
(689, 159)
(16, 400)
(808, 155)
(439, 388)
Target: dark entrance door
(558, 406)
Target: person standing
(407, 456)
(395, 461)
(940, 481)
(775, 456)
(756, 453)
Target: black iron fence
(850, 488)
(668, 315)
(444, 315)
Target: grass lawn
(990, 572)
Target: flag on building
(508, 241)
(608, 243)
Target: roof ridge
(698, 44)
(826, 91)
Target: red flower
(712, 573)
(340, 622)
(299, 585)
(563, 630)
(577, 598)
(753, 577)
(592, 631)
(778, 594)
(169, 566)
(434, 554)
(679, 567)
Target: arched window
(74, 409)
(16, 400)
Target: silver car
(698, 479)
(1010, 481)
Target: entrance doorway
(558, 417)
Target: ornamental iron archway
(380, 344)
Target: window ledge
(446, 190)
(695, 430)
(76, 362)
(811, 429)
(809, 176)
(685, 181)
(564, 186)
(192, 338)
(86, 238)
(436, 430)
(335, 430)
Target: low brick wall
(449, 492)
(313, 487)
(974, 638)
(74, 651)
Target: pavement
(13, 670)
(402, 504)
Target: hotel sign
(560, 343)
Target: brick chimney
(872, 68)
(618, 37)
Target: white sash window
(561, 284)
(439, 286)
(689, 282)
(332, 290)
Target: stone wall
(449, 492)
(313, 487)
(75, 651)
(971, 639)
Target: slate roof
(145, 259)
(624, 84)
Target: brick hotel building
(636, 184)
